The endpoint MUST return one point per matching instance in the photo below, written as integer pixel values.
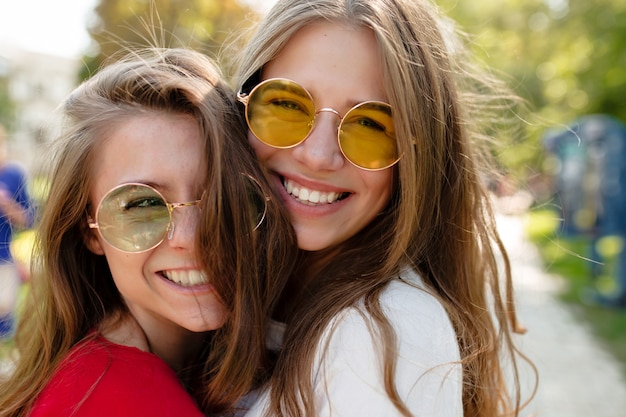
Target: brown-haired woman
(158, 250)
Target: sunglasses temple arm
(242, 98)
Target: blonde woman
(359, 110)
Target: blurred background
(563, 191)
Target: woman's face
(329, 199)
(163, 287)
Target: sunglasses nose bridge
(332, 111)
(329, 110)
(172, 224)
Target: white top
(347, 374)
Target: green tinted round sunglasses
(135, 217)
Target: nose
(183, 226)
(320, 151)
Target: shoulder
(96, 371)
(417, 314)
(409, 294)
(418, 318)
(349, 375)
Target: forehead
(160, 148)
(332, 56)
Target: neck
(177, 350)
(175, 345)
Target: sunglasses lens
(280, 113)
(367, 136)
(133, 218)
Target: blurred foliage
(565, 57)
(203, 25)
(6, 105)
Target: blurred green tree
(203, 25)
(565, 57)
(6, 104)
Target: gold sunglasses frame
(169, 231)
(244, 98)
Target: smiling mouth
(309, 196)
(186, 278)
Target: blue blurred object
(590, 185)
(592, 173)
(6, 326)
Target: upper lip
(312, 184)
(188, 276)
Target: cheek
(125, 268)
(380, 183)
(263, 152)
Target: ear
(91, 239)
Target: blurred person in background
(15, 213)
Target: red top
(101, 378)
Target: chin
(205, 320)
(314, 241)
(205, 325)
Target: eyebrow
(379, 106)
(298, 90)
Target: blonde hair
(439, 220)
(72, 290)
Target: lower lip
(303, 209)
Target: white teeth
(186, 278)
(314, 196)
(310, 196)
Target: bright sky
(56, 27)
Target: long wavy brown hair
(439, 220)
(72, 291)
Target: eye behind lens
(133, 217)
(280, 113)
